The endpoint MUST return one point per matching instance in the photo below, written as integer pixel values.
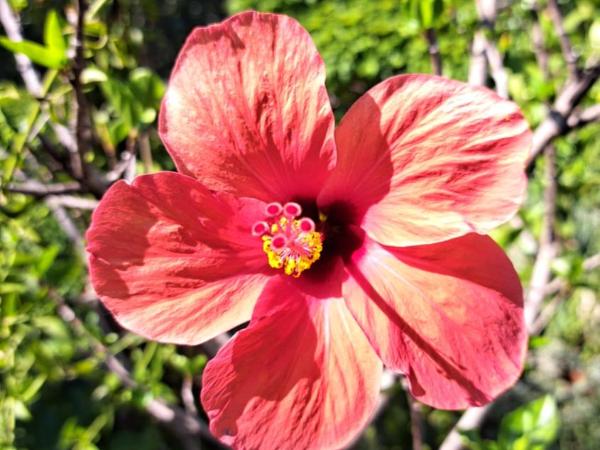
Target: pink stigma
(260, 228)
(292, 210)
(307, 225)
(273, 209)
(278, 242)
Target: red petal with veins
(423, 159)
(174, 262)
(246, 110)
(301, 376)
(448, 315)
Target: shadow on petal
(449, 368)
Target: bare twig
(187, 395)
(212, 347)
(71, 201)
(547, 248)
(127, 160)
(145, 151)
(544, 317)
(497, 69)
(541, 55)
(38, 189)
(557, 121)
(554, 286)
(185, 426)
(471, 419)
(579, 119)
(130, 169)
(67, 225)
(565, 43)
(589, 264)
(416, 422)
(477, 63)
(483, 49)
(434, 51)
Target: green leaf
(594, 36)
(47, 57)
(53, 37)
(147, 87)
(534, 424)
(46, 259)
(118, 130)
(8, 167)
(93, 75)
(7, 288)
(21, 411)
(33, 388)
(427, 14)
(51, 326)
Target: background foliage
(70, 378)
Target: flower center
(290, 241)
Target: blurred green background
(55, 389)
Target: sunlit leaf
(44, 56)
(533, 424)
(53, 37)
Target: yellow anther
(302, 248)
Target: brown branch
(78, 164)
(434, 51)
(565, 43)
(187, 427)
(557, 121)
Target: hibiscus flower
(346, 250)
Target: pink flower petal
(426, 159)
(448, 315)
(246, 110)
(301, 376)
(174, 262)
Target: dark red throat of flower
(290, 241)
